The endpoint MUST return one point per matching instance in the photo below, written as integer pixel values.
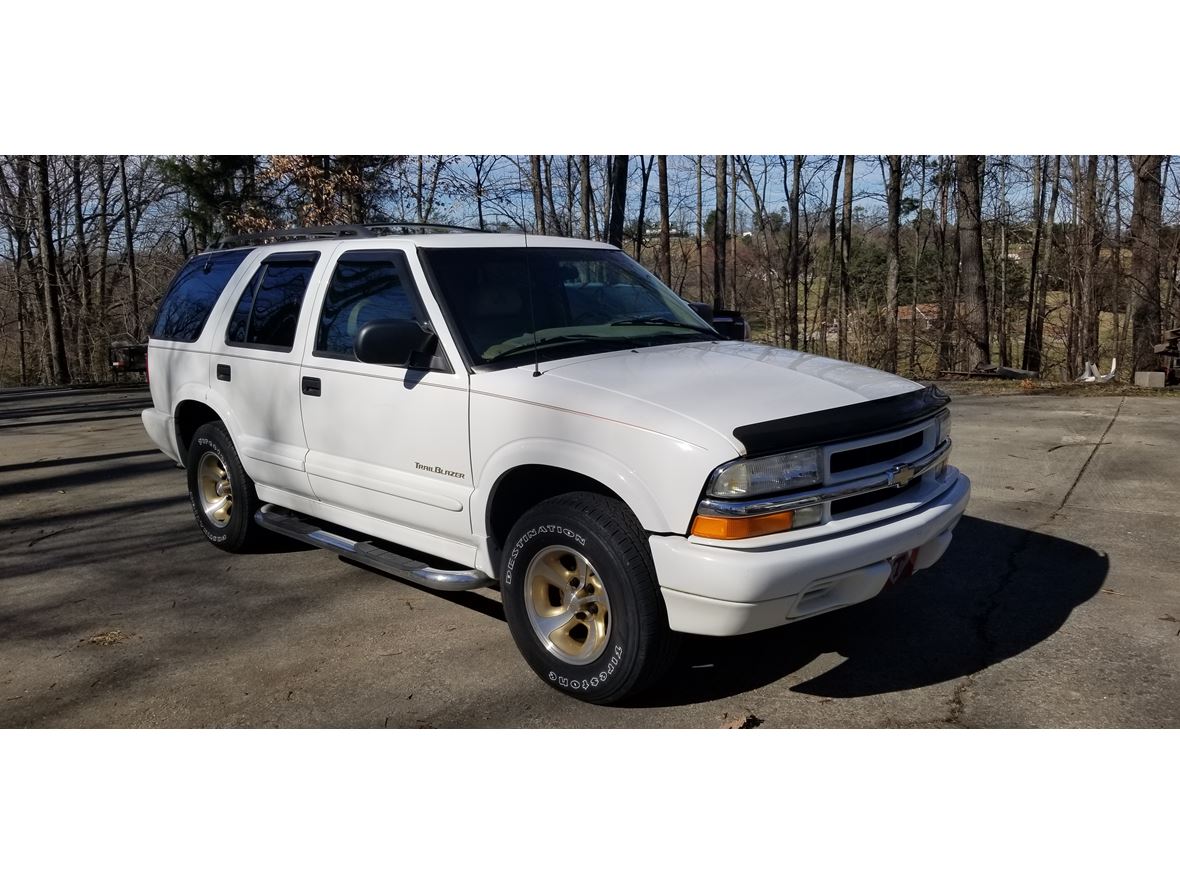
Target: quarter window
(365, 287)
(193, 292)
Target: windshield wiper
(556, 339)
(657, 321)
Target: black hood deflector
(841, 423)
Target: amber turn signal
(725, 528)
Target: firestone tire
(582, 600)
(221, 493)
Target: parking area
(1058, 604)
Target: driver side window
(365, 286)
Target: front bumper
(726, 591)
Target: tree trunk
(762, 219)
(421, 189)
(556, 224)
(919, 253)
(1038, 336)
(720, 240)
(584, 171)
(845, 259)
(826, 298)
(644, 178)
(793, 252)
(127, 232)
(538, 196)
(1116, 262)
(569, 195)
(969, 210)
(948, 267)
(49, 276)
(1040, 172)
(700, 229)
(1002, 307)
(84, 327)
(893, 269)
(102, 295)
(665, 258)
(734, 234)
(1091, 246)
(618, 200)
(1145, 260)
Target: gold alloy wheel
(567, 605)
(213, 485)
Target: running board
(284, 522)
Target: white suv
(468, 409)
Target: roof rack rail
(422, 225)
(336, 232)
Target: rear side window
(193, 293)
(365, 286)
(267, 314)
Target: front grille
(850, 459)
(869, 498)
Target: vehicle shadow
(998, 591)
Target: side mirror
(394, 342)
(703, 310)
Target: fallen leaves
(746, 720)
(108, 637)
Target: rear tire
(221, 493)
(582, 600)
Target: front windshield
(583, 301)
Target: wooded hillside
(917, 264)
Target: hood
(703, 390)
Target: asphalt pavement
(1058, 603)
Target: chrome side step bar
(284, 522)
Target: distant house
(927, 315)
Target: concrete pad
(1057, 604)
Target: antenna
(528, 272)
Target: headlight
(944, 427)
(763, 476)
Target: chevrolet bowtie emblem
(900, 474)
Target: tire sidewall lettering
(589, 682)
(561, 531)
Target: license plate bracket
(901, 567)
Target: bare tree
(969, 210)
(700, 227)
(584, 171)
(1090, 234)
(618, 200)
(893, 272)
(1146, 217)
(719, 238)
(665, 257)
(644, 178)
(826, 298)
(85, 308)
(51, 284)
(538, 197)
(1040, 172)
(130, 247)
(793, 249)
(845, 259)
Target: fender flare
(572, 456)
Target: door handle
(222, 372)
(311, 386)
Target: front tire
(582, 600)
(221, 493)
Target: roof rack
(337, 232)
